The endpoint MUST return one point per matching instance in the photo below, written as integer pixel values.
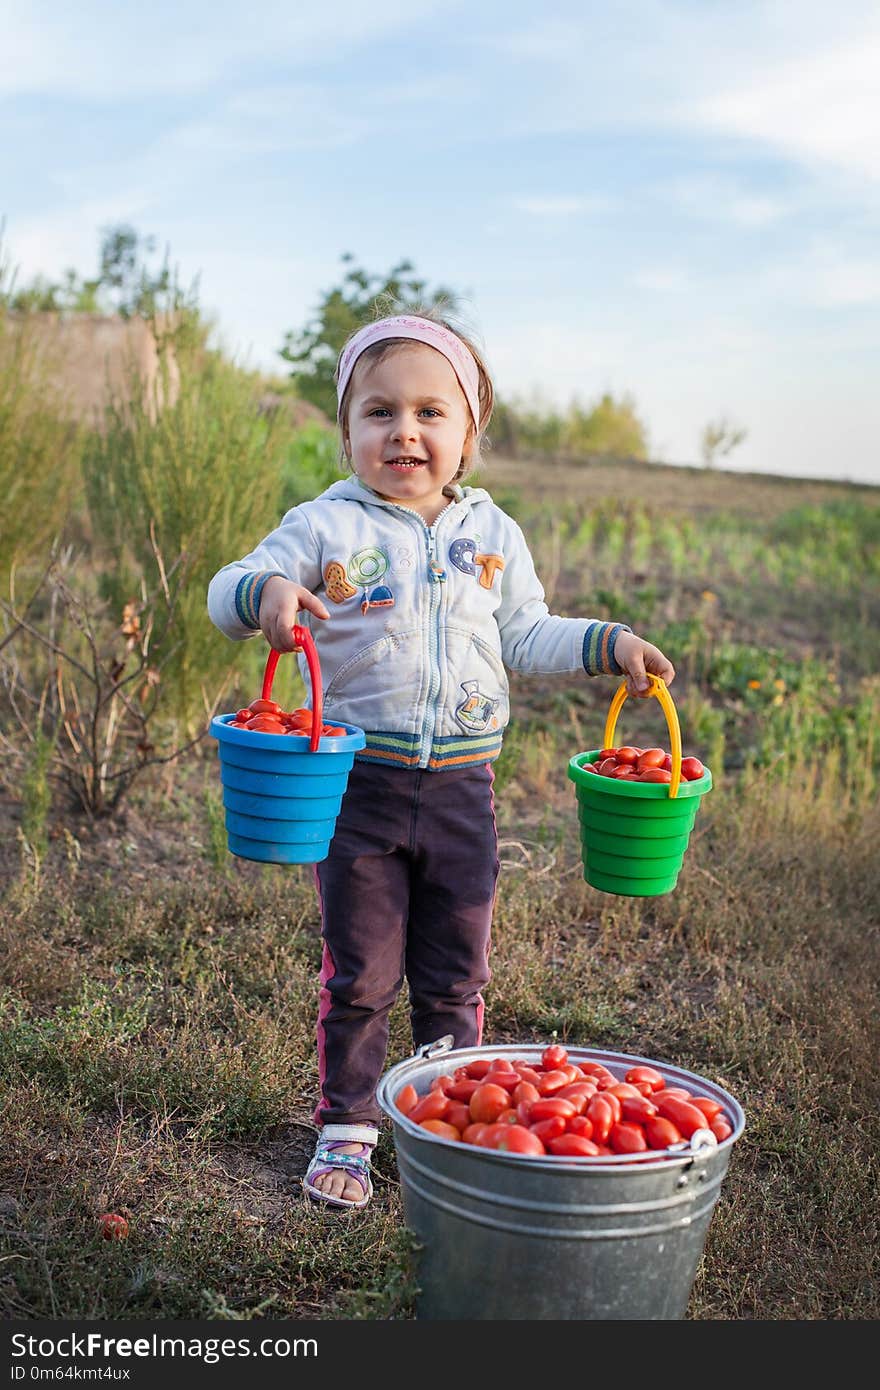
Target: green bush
(39, 450)
(196, 483)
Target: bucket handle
(657, 688)
(304, 642)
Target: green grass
(158, 996)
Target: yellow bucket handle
(659, 691)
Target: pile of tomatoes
(643, 765)
(573, 1110)
(267, 717)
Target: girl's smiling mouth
(405, 463)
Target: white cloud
(822, 108)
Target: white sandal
(327, 1159)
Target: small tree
(719, 439)
(314, 349)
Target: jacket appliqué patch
(491, 564)
(336, 584)
(461, 553)
(365, 568)
(475, 712)
(464, 555)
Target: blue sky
(679, 199)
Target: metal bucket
(504, 1237)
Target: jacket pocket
(477, 691)
(382, 673)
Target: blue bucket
(281, 799)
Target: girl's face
(408, 427)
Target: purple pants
(406, 892)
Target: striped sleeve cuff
(247, 595)
(598, 655)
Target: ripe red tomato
(652, 757)
(710, 1108)
(471, 1135)
(492, 1136)
(578, 1093)
(547, 1106)
(441, 1129)
(623, 772)
(614, 1101)
(691, 769)
(526, 1093)
(487, 1102)
(113, 1226)
(552, 1081)
(660, 1132)
(606, 753)
(573, 1146)
(462, 1090)
(433, 1105)
(478, 1068)
(637, 1108)
(458, 1115)
(580, 1125)
(265, 707)
(406, 1098)
(507, 1080)
(654, 774)
(266, 724)
(553, 1057)
(599, 1111)
(519, 1140)
(607, 767)
(621, 1089)
(549, 1129)
(682, 1113)
(528, 1073)
(627, 1138)
(646, 1075)
(721, 1128)
(629, 755)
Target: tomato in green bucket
(634, 834)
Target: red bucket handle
(306, 642)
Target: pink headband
(421, 331)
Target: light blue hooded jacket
(423, 619)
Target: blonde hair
(376, 352)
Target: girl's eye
(380, 410)
(429, 410)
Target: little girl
(419, 592)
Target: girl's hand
(280, 602)
(635, 656)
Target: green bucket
(634, 835)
